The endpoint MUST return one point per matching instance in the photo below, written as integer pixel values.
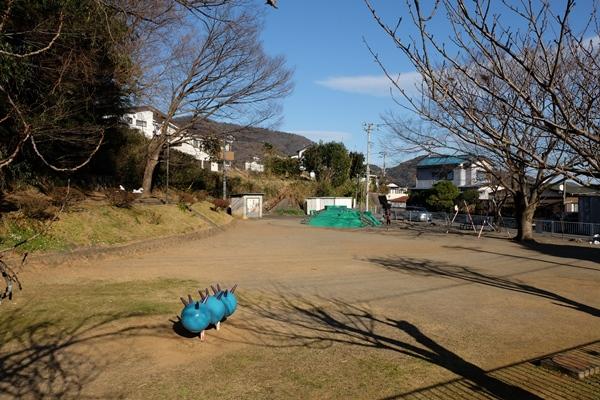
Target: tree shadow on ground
(179, 329)
(294, 321)
(441, 269)
(40, 360)
(565, 251)
(557, 263)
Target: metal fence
(463, 221)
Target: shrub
(470, 196)
(154, 218)
(58, 196)
(120, 198)
(220, 204)
(186, 198)
(442, 195)
(35, 207)
(201, 195)
(183, 207)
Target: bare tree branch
(34, 52)
(522, 96)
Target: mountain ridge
(250, 141)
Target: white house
(300, 153)
(463, 171)
(373, 179)
(300, 157)
(395, 191)
(254, 165)
(149, 121)
(313, 204)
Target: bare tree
(58, 91)
(214, 69)
(517, 95)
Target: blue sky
(338, 86)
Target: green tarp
(342, 217)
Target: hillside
(249, 141)
(405, 173)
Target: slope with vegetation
(47, 225)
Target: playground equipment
(196, 316)
(342, 217)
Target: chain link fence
(489, 223)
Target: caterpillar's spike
(218, 287)
(233, 288)
(201, 295)
(204, 299)
(190, 300)
(202, 336)
(215, 291)
(197, 305)
(226, 292)
(219, 295)
(207, 292)
(185, 303)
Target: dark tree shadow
(294, 321)
(179, 330)
(39, 360)
(571, 252)
(434, 268)
(565, 251)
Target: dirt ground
(323, 314)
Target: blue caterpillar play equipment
(196, 316)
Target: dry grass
(282, 360)
(65, 306)
(95, 224)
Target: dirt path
(328, 313)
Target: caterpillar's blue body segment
(230, 302)
(216, 308)
(195, 317)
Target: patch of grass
(205, 208)
(183, 207)
(70, 305)
(14, 231)
(337, 372)
(106, 225)
(290, 211)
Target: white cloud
(594, 41)
(372, 85)
(326, 136)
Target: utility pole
(224, 170)
(384, 154)
(368, 127)
(227, 143)
(168, 160)
(224, 181)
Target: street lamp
(227, 156)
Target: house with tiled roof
(465, 172)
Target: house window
(129, 120)
(480, 176)
(141, 123)
(443, 175)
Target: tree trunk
(524, 211)
(154, 150)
